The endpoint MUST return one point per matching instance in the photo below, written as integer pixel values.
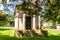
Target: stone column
(36, 20)
(24, 21)
(39, 21)
(16, 21)
(33, 22)
(21, 23)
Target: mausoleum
(24, 22)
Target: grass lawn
(6, 33)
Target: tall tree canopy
(3, 18)
(53, 11)
(28, 7)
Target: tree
(10, 20)
(52, 11)
(3, 19)
(28, 7)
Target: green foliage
(10, 18)
(53, 11)
(3, 18)
(28, 6)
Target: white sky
(11, 8)
(1, 7)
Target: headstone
(58, 27)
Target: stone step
(30, 33)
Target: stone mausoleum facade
(26, 22)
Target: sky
(1, 7)
(9, 8)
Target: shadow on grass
(6, 37)
(52, 37)
(4, 29)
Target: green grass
(6, 33)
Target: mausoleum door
(28, 22)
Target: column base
(21, 33)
